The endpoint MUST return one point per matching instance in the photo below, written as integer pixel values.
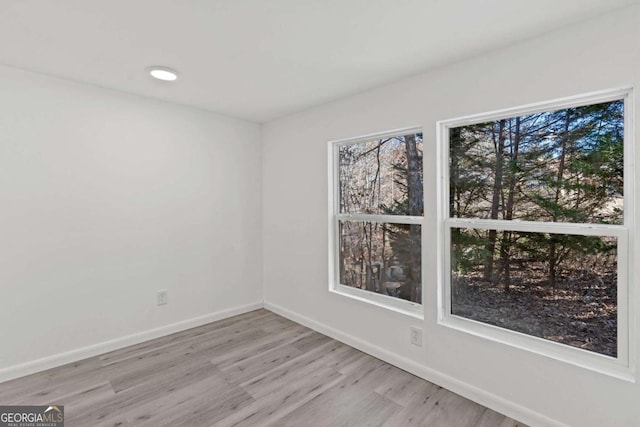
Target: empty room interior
(319, 213)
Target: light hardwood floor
(256, 369)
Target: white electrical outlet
(415, 336)
(162, 297)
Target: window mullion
(539, 227)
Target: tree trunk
(383, 277)
(498, 143)
(343, 254)
(506, 242)
(370, 280)
(454, 172)
(416, 207)
(505, 259)
(553, 256)
(552, 264)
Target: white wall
(106, 198)
(593, 55)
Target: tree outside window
(534, 221)
(378, 214)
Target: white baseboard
(478, 395)
(31, 367)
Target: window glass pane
(554, 286)
(381, 257)
(557, 166)
(382, 176)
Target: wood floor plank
(311, 341)
(181, 405)
(404, 388)
(281, 377)
(255, 369)
(203, 409)
(52, 384)
(370, 409)
(85, 399)
(340, 356)
(244, 321)
(491, 418)
(271, 407)
(166, 384)
(261, 363)
(415, 413)
(452, 408)
(174, 373)
(333, 406)
(260, 345)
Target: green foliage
(468, 250)
(558, 166)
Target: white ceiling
(261, 59)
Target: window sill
(394, 304)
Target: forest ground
(580, 312)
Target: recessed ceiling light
(163, 73)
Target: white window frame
(623, 366)
(391, 303)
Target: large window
(376, 220)
(535, 224)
